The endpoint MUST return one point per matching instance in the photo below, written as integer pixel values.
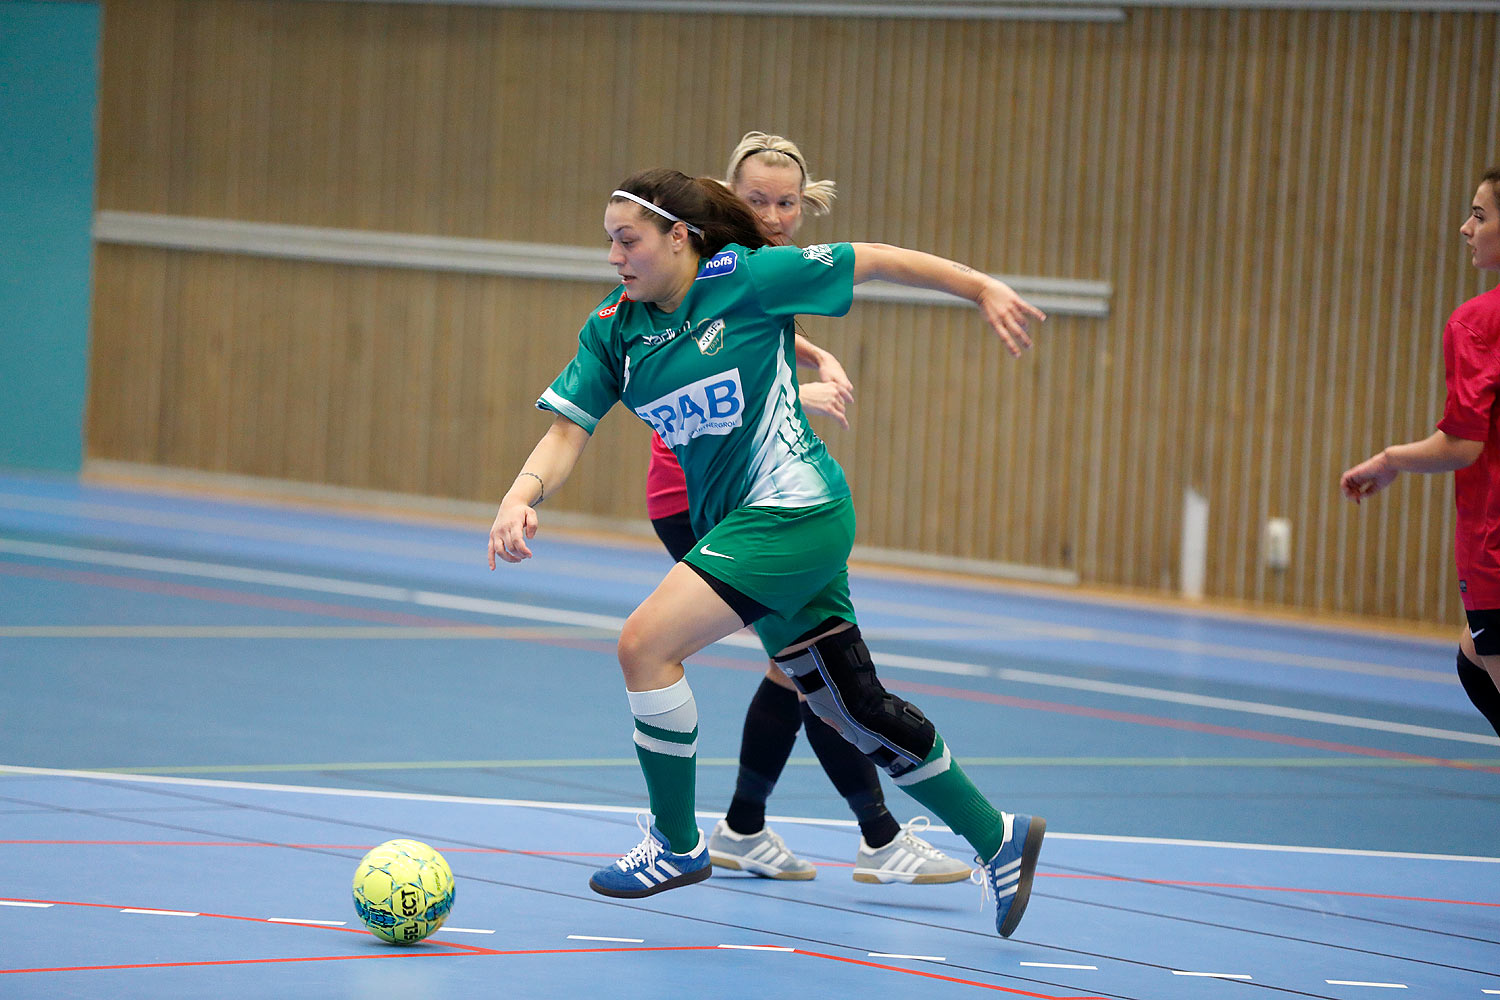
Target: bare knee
(633, 650)
(642, 657)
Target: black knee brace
(837, 678)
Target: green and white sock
(943, 787)
(666, 741)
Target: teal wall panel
(49, 82)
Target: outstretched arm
(1440, 453)
(1003, 309)
(541, 475)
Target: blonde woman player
(697, 342)
(770, 173)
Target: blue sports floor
(210, 709)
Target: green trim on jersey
(716, 378)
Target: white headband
(657, 209)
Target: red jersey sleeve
(1471, 371)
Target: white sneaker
(908, 859)
(763, 854)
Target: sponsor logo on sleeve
(820, 252)
(718, 265)
(712, 405)
(608, 310)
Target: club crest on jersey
(821, 252)
(712, 405)
(718, 265)
(710, 336)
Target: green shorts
(791, 560)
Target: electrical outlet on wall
(1276, 543)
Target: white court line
(17, 902)
(1211, 975)
(1024, 629)
(317, 584)
(615, 940)
(754, 947)
(918, 958)
(320, 537)
(1356, 982)
(362, 793)
(464, 930)
(323, 537)
(305, 920)
(1058, 965)
(460, 602)
(162, 913)
(382, 632)
(1491, 992)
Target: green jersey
(717, 377)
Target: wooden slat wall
(1274, 196)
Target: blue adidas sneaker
(652, 867)
(1007, 876)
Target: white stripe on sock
(929, 770)
(665, 747)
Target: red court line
(1266, 888)
(470, 950)
(829, 864)
(1183, 724)
(405, 953)
(820, 864)
(946, 979)
(232, 916)
(400, 618)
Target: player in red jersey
(1467, 443)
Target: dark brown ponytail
(699, 201)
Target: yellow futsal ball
(403, 891)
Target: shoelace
(981, 876)
(645, 852)
(913, 843)
(775, 838)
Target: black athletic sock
(855, 777)
(771, 724)
(1480, 687)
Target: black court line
(1280, 904)
(1259, 933)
